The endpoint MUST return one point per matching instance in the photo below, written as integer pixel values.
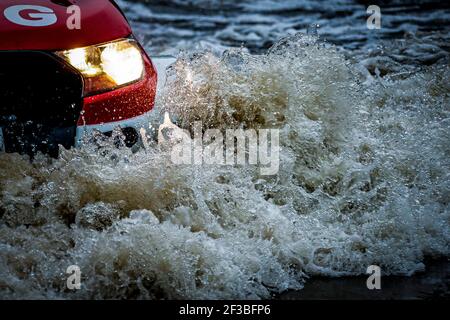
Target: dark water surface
(434, 283)
(258, 24)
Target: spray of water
(364, 179)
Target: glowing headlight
(108, 66)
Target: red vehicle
(68, 67)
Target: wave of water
(364, 179)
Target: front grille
(40, 102)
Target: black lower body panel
(40, 102)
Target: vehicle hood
(42, 24)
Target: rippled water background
(167, 26)
(365, 161)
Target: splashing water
(364, 179)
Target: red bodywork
(101, 21)
(127, 102)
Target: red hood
(101, 22)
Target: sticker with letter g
(42, 16)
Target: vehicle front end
(58, 84)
